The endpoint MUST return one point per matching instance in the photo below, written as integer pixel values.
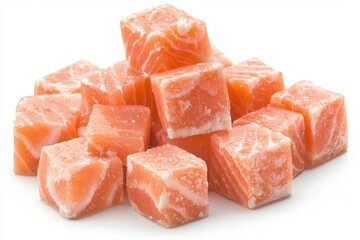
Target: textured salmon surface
(65, 80)
(76, 183)
(115, 85)
(164, 38)
(40, 121)
(218, 56)
(192, 100)
(168, 185)
(119, 130)
(325, 119)
(251, 84)
(289, 123)
(251, 165)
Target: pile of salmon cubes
(171, 122)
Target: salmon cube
(120, 130)
(192, 100)
(164, 38)
(251, 84)
(168, 185)
(76, 183)
(218, 56)
(116, 85)
(289, 123)
(40, 121)
(198, 145)
(65, 80)
(251, 165)
(325, 119)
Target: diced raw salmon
(40, 121)
(76, 183)
(168, 185)
(325, 119)
(120, 130)
(289, 123)
(251, 164)
(116, 85)
(218, 56)
(65, 80)
(192, 100)
(251, 84)
(164, 38)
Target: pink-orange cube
(251, 84)
(325, 119)
(168, 185)
(251, 165)
(192, 100)
(77, 183)
(291, 124)
(164, 38)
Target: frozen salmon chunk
(192, 100)
(116, 85)
(168, 185)
(76, 183)
(120, 130)
(218, 56)
(289, 123)
(252, 165)
(251, 84)
(325, 119)
(164, 38)
(65, 80)
(198, 145)
(40, 121)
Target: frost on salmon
(289, 123)
(168, 185)
(192, 100)
(120, 130)
(251, 165)
(164, 38)
(40, 121)
(65, 80)
(251, 84)
(76, 183)
(325, 119)
(115, 85)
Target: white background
(313, 40)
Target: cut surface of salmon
(40, 121)
(120, 130)
(252, 165)
(251, 84)
(199, 145)
(65, 80)
(168, 185)
(218, 56)
(115, 85)
(164, 38)
(325, 119)
(289, 123)
(192, 100)
(76, 183)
